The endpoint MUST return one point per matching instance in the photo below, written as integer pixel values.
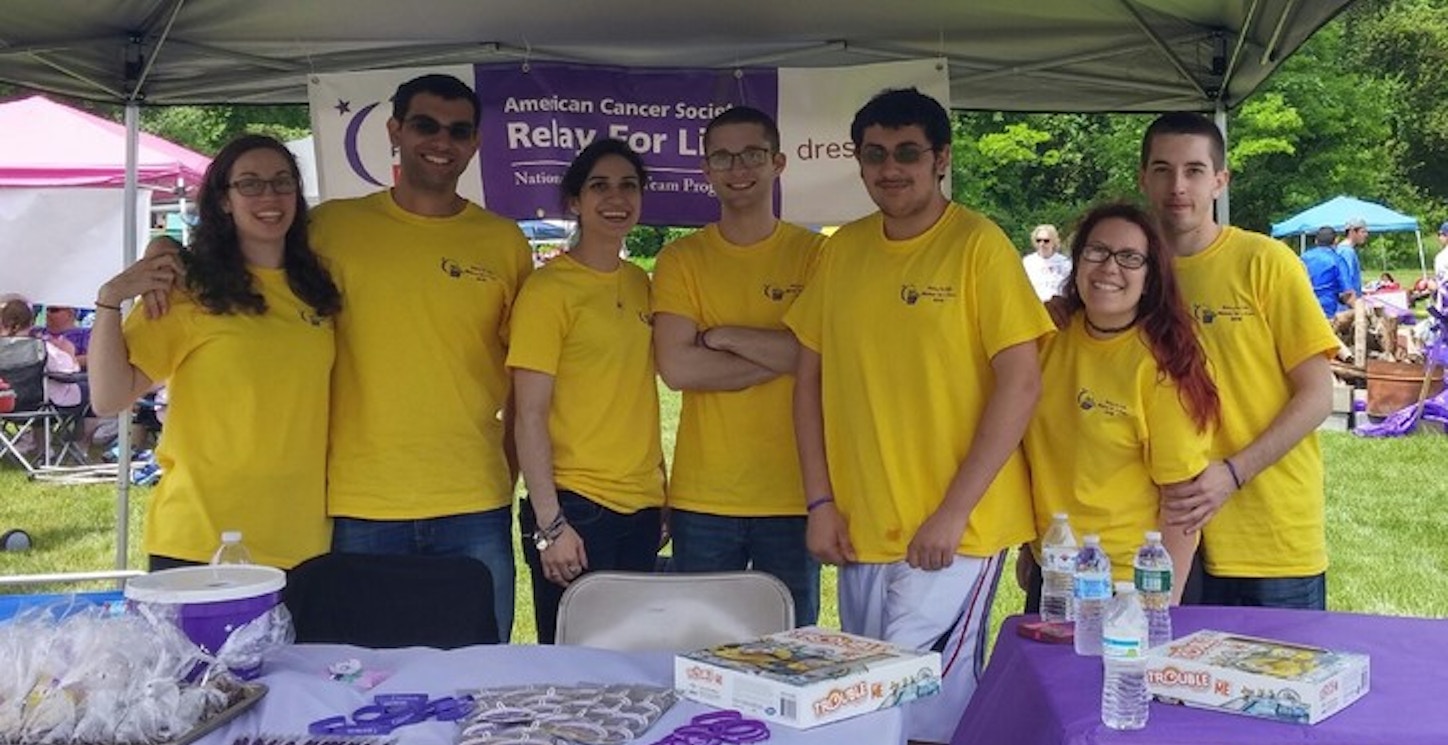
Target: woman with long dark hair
(1128, 404)
(246, 353)
(583, 377)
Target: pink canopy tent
(63, 203)
(46, 144)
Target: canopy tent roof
(1007, 55)
(50, 144)
(1335, 212)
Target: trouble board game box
(1256, 677)
(807, 677)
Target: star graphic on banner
(343, 107)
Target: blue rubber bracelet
(822, 501)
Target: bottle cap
(1060, 517)
(1091, 539)
(231, 536)
(1153, 536)
(1124, 587)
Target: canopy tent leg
(1224, 202)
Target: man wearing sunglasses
(720, 295)
(1260, 501)
(1046, 267)
(917, 374)
(417, 460)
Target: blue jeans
(485, 536)
(1305, 593)
(775, 545)
(611, 540)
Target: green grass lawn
(1386, 520)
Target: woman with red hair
(1127, 405)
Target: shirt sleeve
(1175, 450)
(806, 315)
(156, 346)
(1299, 330)
(539, 323)
(673, 291)
(1008, 309)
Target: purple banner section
(536, 119)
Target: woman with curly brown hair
(246, 352)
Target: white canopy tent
(1048, 55)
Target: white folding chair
(634, 611)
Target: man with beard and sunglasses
(917, 374)
(420, 461)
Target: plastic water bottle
(1093, 591)
(1124, 696)
(231, 550)
(1153, 585)
(1058, 567)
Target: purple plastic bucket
(213, 600)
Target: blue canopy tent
(1335, 212)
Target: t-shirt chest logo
(1089, 403)
(475, 272)
(911, 294)
(1211, 314)
(779, 292)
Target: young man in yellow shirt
(1260, 501)
(720, 294)
(917, 375)
(417, 462)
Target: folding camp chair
(385, 601)
(22, 365)
(634, 611)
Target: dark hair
(903, 107)
(1186, 123)
(446, 87)
(1161, 313)
(746, 115)
(16, 314)
(1326, 236)
(582, 165)
(216, 271)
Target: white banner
(654, 108)
(61, 244)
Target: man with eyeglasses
(1259, 503)
(917, 375)
(720, 295)
(420, 459)
(1046, 267)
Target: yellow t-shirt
(906, 331)
(735, 453)
(592, 332)
(1258, 319)
(419, 386)
(1109, 428)
(245, 443)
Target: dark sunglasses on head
(904, 154)
(255, 187)
(428, 126)
(1125, 258)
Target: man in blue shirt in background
(1329, 274)
(1355, 234)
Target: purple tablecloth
(1044, 694)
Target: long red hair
(1167, 327)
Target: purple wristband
(1233, 470)
(813, 503)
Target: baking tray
(250, 694)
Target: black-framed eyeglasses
(905, 153)
(252, 186)
(428, 126)
(1125, 258)
(749, 157)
